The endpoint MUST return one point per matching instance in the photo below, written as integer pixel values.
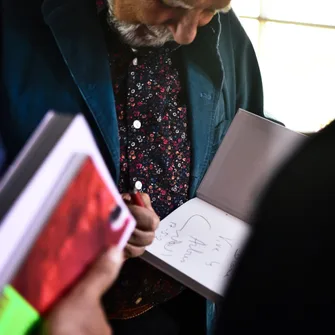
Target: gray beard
(156, 36)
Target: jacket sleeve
(2, 157)
(4, 130)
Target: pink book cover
(86, 221)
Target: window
(295, 44)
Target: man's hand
(147, 223)
(80, 312)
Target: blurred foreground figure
(81, 312)
(285, 282)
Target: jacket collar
(204, 81)
(76, 28)
(84, 51)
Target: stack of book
(59, 210)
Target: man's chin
(139, 35)
(144, 37)
(141, 41)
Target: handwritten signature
(175, 239)
(219, 242)
(194, 243)
(165, 232)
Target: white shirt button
(137, 124)
(138, 185)
(135, 61)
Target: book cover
(199, 243)
(250, 154)
(17, 316)
(86, 220)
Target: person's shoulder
(231, 26)
(327, 132)
(234, 41)
(319, 148)
(307, 180)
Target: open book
(200, 242)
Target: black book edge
(181, 277)
(42, 141)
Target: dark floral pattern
(155, 153)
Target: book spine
(17, 316)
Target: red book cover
(84, 222)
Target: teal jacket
(55, 57)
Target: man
(159, 82)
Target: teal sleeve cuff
(210, 317)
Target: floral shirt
(155, 156)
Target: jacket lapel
(204, 77)
(81, 42)
(79, 36)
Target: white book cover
(17, 223)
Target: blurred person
(284, 282)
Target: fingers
(145, 197)
(102, 274)
(126, 198)
(147, 222)
(147, 201)
(146, 219)
(138, 242)
(132, 251)
(141, 238)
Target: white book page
(202, 242)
